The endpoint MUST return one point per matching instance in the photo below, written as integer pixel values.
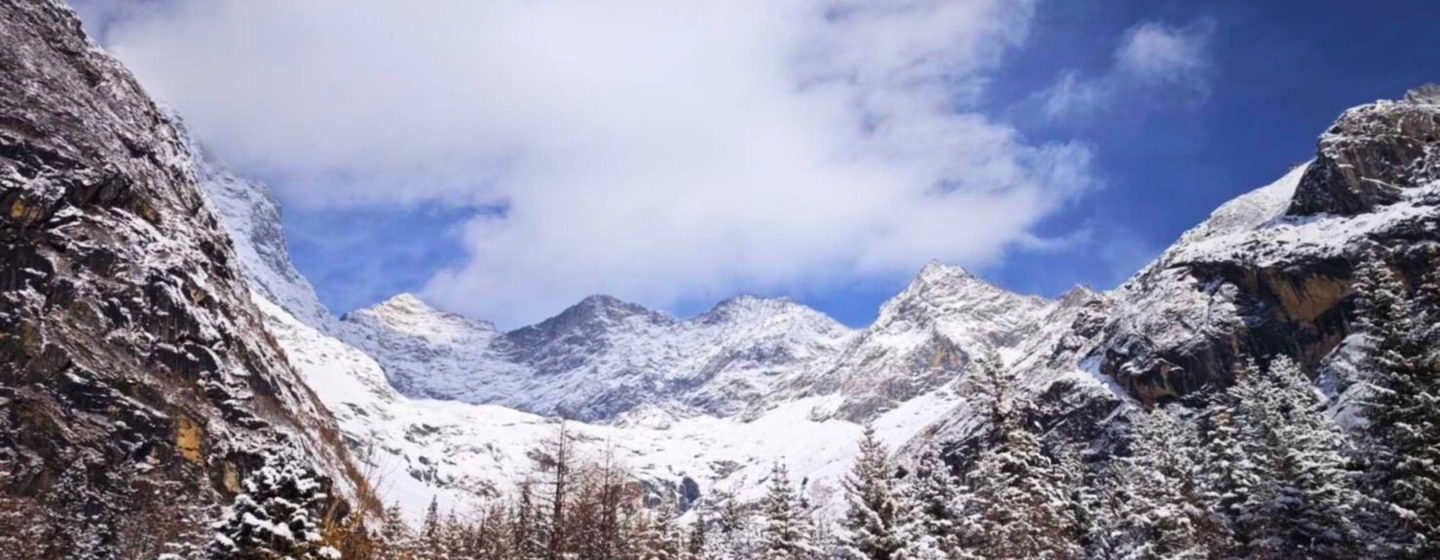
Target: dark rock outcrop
(130, 353)
(1371, 154)
(1271, 272)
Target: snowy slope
(461, 453)
(453, 408)
(601, 358)
(923, 338)
(252, 216)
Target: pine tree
(275, 517)
(991, 386)
(661, 538)
(1163, 516)
(1227, 472)
(430, 528)
(529, 531)
(932, 522)
(870, 519)
(1023, 512)
(786, 527)
(395, 536)
(695, 541)
(1403, 411)
(1303, 501)
(734, 537)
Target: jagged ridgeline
(138, 386)
(147, 309)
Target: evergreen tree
(1227, 472)
(527, 532)
(870, 518)
(275, 517)
(1403, 411)
(1163, 516)
(991, 385)
(695, 542)
(1303, 502)
(932, 522)
(786, 528)
(430, 528)
(735, 537)
(1023, 512)
(396, 538)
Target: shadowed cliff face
(1372, 155)
(1271, 272)
(131, 356)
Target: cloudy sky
(505, 158)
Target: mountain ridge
(1084, 359)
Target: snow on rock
(1269, 273)
(922, 339)
(251, 215)
(129, 344)
(600, 358)
(447, 407)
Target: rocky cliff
(136, 377)
(1270, 273)
(149, 349)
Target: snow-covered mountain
(452, 407)
(603, 358)
(923, 338)
(159, 346)
(138, 384)
(600, 358)
(449, 407)
(694, 375)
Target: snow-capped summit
(923, 338)
(407, 313)
(936, 271)
(956, 304)
(718, 397)
(599, 358)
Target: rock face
(251, 215)
(134, 369)
(1371, 155)
(923, 338)
(1269, 273)
(148, 349)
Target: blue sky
(396, 178)
(1284, 70)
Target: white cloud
(656, 150)
(1154, 62)
(1154, 51)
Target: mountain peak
(750, 306)
(602, 300)
(1079, 295)
(601, 304)
(593, 310)
(938, 272)
(1426, 94)
(405, 301)
(411, 312)
(746, 301)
